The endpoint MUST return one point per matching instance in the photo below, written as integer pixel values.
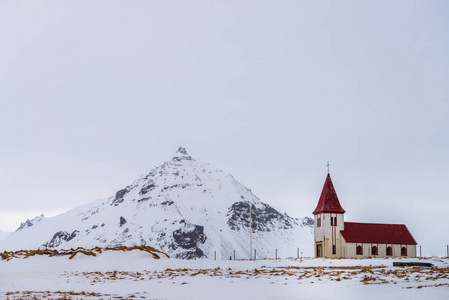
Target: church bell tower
(329, 221)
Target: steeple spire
(328, 200)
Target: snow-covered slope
(184, 207)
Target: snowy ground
(135, 274)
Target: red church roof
(328, 200)
(377, 233)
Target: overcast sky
(95, 93)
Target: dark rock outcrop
(181, 154)
(24, 225)
(59, 238)
(29, 223)
(147, 187)
(119, 197)
(265, 218)
(308, 222)
(188, 237)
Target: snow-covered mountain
(185, 207)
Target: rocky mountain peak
(181, 154)
(29, 223)
(182, 150)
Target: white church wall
(328, 234)
(350, 250)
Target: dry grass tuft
(8, 255)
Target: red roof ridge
(374, 223)
(328, 200)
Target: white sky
(94, 93)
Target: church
(336, 238)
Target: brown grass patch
(8, 255)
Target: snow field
(135, 274)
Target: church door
(319, 250)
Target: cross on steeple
(328, 164)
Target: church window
(374, 250)
(333, 221)
(404, 251)
(334, 249)
(318, 221)
(389, 251)
(359, 250)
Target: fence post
(254, 254)
(297, 252)
(276, 255)
(447, 250)
(234, 254)
(420, 252)
(215, 255)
